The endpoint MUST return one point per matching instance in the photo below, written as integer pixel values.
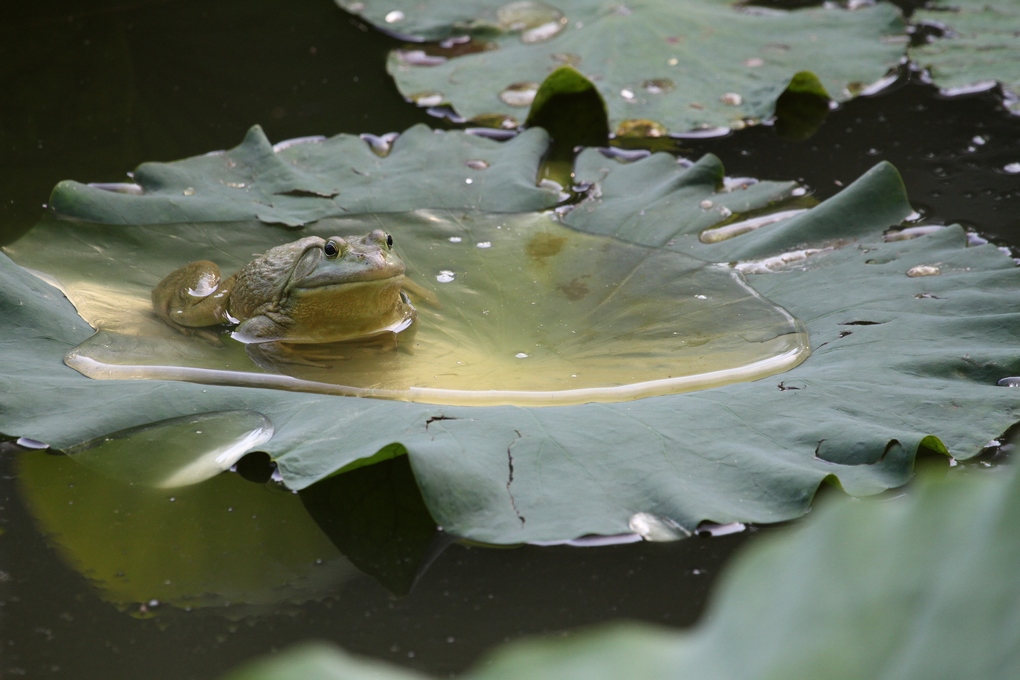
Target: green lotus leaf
(908, 339)
(864, 590)
(295, 183)
(977, 47)
(682, 66)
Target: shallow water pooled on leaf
(511, 309)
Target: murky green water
(92, 89)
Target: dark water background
(88, 90)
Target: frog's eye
(331, 249)
(389, 241)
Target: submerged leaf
(689, 65)
(802, 107)
(856, 411)
(570, 108)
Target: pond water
(112, 578)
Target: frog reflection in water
(313, 290)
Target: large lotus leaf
(899, 361)
(700, 63)
(977, 46)
(921, 587)
(302, 180)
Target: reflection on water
(223, 542)
(512, 309)
(469, 599)
(175, 452)
(376, 516)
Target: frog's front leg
(193, 297)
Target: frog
(310, 291)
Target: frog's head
(339, 260)
(320, 288)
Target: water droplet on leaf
(924, 270)
(519, 94)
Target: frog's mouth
(324, 282)
(309, 273)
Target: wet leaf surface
(975, 47)
(690, 65)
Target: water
(256, 569)
(93, 90)
(596, 318)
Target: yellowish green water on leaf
(512, 309)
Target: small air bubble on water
(484, 244)
(706, 204)
(393, 17)
(799, 191)
(1012, 168)
(521, 355)
(468, 181)
(627, 94)
(701, 297)
(445, 276)
(455, 239)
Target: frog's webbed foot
(209, 335)
(274, 355)
(277, 356)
